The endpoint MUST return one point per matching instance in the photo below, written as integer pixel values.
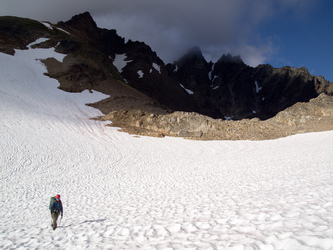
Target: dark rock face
(84, 27)
(155, 80)
(17, 33)
(192, 72)
(232, 90)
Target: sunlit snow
(126, 192)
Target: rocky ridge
(190, 98)
(314, 116)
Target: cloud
(172, 27)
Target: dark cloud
(172, 27)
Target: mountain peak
(230, 58)
(82, 21)
(195, 51)
(194, 54)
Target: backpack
(52, 199)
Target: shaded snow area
(124, 192)
(210, 76)
(140, 73)
(64, 31)
(120, 61)
(48, 25)
(176, 68)
(190, 92)
(257, 87)
(158, 68)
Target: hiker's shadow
(83, 222)
(92, 221)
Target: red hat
(58, 196)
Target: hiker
(55, 208)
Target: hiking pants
(55, 215)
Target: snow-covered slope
(124, 192)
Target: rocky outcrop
(314, 116)
(17, 33)
(85, 28)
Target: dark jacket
(56, 205)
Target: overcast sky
(279, 32)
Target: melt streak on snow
(124, 192)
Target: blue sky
(278, 32)
(303, 39)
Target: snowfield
(125, 192)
